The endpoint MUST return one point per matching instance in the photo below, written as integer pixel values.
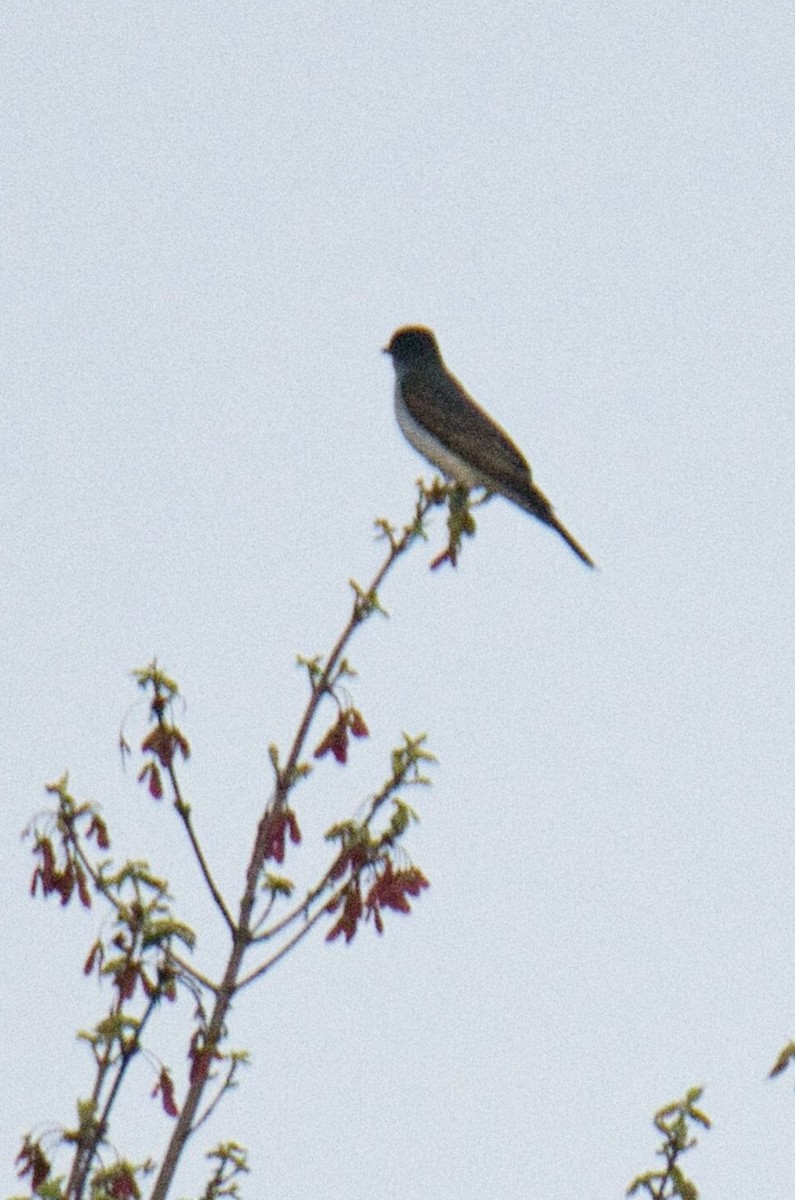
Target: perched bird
(444, 423)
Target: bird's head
(411, 345)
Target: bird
(442, 421)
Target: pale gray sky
(216, 215)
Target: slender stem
(184, 811)
(242, 930)
(288, 945)
(85, 1156)
(191, 972)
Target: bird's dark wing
(473, 436)
(466, 429)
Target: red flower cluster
(165, 1088)
(61, 880)
(336, 740)
(201, 1056)
(34, 1162)
(163, 743)
(391, 889)
(280, 824)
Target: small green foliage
(231, 1162)
(116, 1028)
(277, 885)
(152, 678)
(402, 816)
(285, 778)
(86, 1120)
(52, 1189)
(138, 873)
(386, 530)
(783, 1061)
(341, 831)
(366, 603)
(313, 667)
(164, 931)
(460, 524)
(674, 1122)
(406, 761)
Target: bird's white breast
(435, 451)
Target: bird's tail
(537, 504)
(575, 545)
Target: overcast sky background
(215, 216)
